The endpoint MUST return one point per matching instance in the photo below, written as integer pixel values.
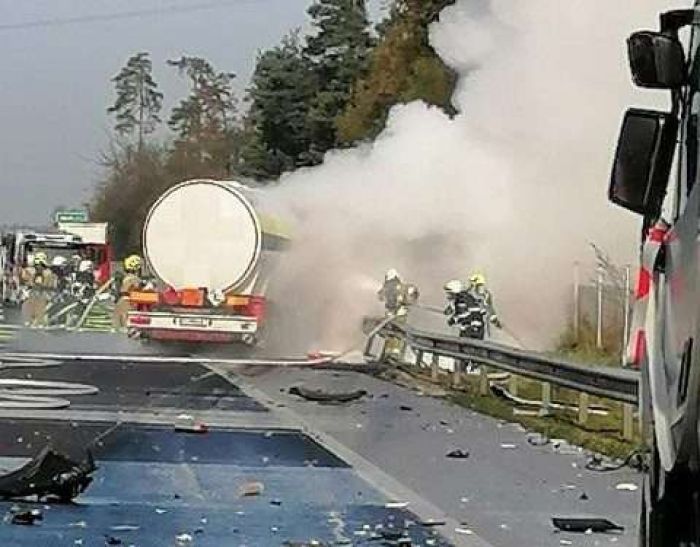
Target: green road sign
(71, 215)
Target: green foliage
(205, 120)
(138, 101)
(338, 51)
(134, 178)
(403, 67)
(281, 90)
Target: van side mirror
(643, 161)
(657, 60)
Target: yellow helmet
(40, 259)
(477, 279)
(132, 263)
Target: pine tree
(138, 101)
(205, 120)
(338, 52)
(281, 89)
(403, 68)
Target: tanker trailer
(211, 246)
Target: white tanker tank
(211, 245)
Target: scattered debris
(584, 524)
(628, 486)
(124, 528)
(537, 439)
(458, 454)
(49, 475)
(183, 539)
(25, 517)
(252, 488)
(562, 446)
(431, 523)
(320, 396)
(396, 504)
(598, 462)
(191, 426)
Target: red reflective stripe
(639, 349)
(643, 284)
(657, 234)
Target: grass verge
(600, 433)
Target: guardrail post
(419, 358)
(546, 409)
(583, 399)
(435, 366)
(483, 380)
(513, 385)
(457, 373)
(627, 421)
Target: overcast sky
(58, 57)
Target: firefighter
(131, 281)
(40, 283)
(396, 297)
(393, 294)
(477, 288)
(60, 269)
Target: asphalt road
(504, 493)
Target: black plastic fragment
(49, 475)
(320, 396)
(583, 524)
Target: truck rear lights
(255, 307)
(144, 297)
(236, 300)
(170, 297)
(192, 297)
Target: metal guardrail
(616, 384)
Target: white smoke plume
(514, 186)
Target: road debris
(50, 475)
(327, 397)
(24, 517)
(183, 539)
(458, 454)
(124, 528)
(586, 525)
(252, 488)
(537, 439)
(396, 504)
(563, 447)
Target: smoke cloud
(514, 186)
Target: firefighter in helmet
(131, 281)
(40, 282)
(477, 288)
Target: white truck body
(209, 236)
